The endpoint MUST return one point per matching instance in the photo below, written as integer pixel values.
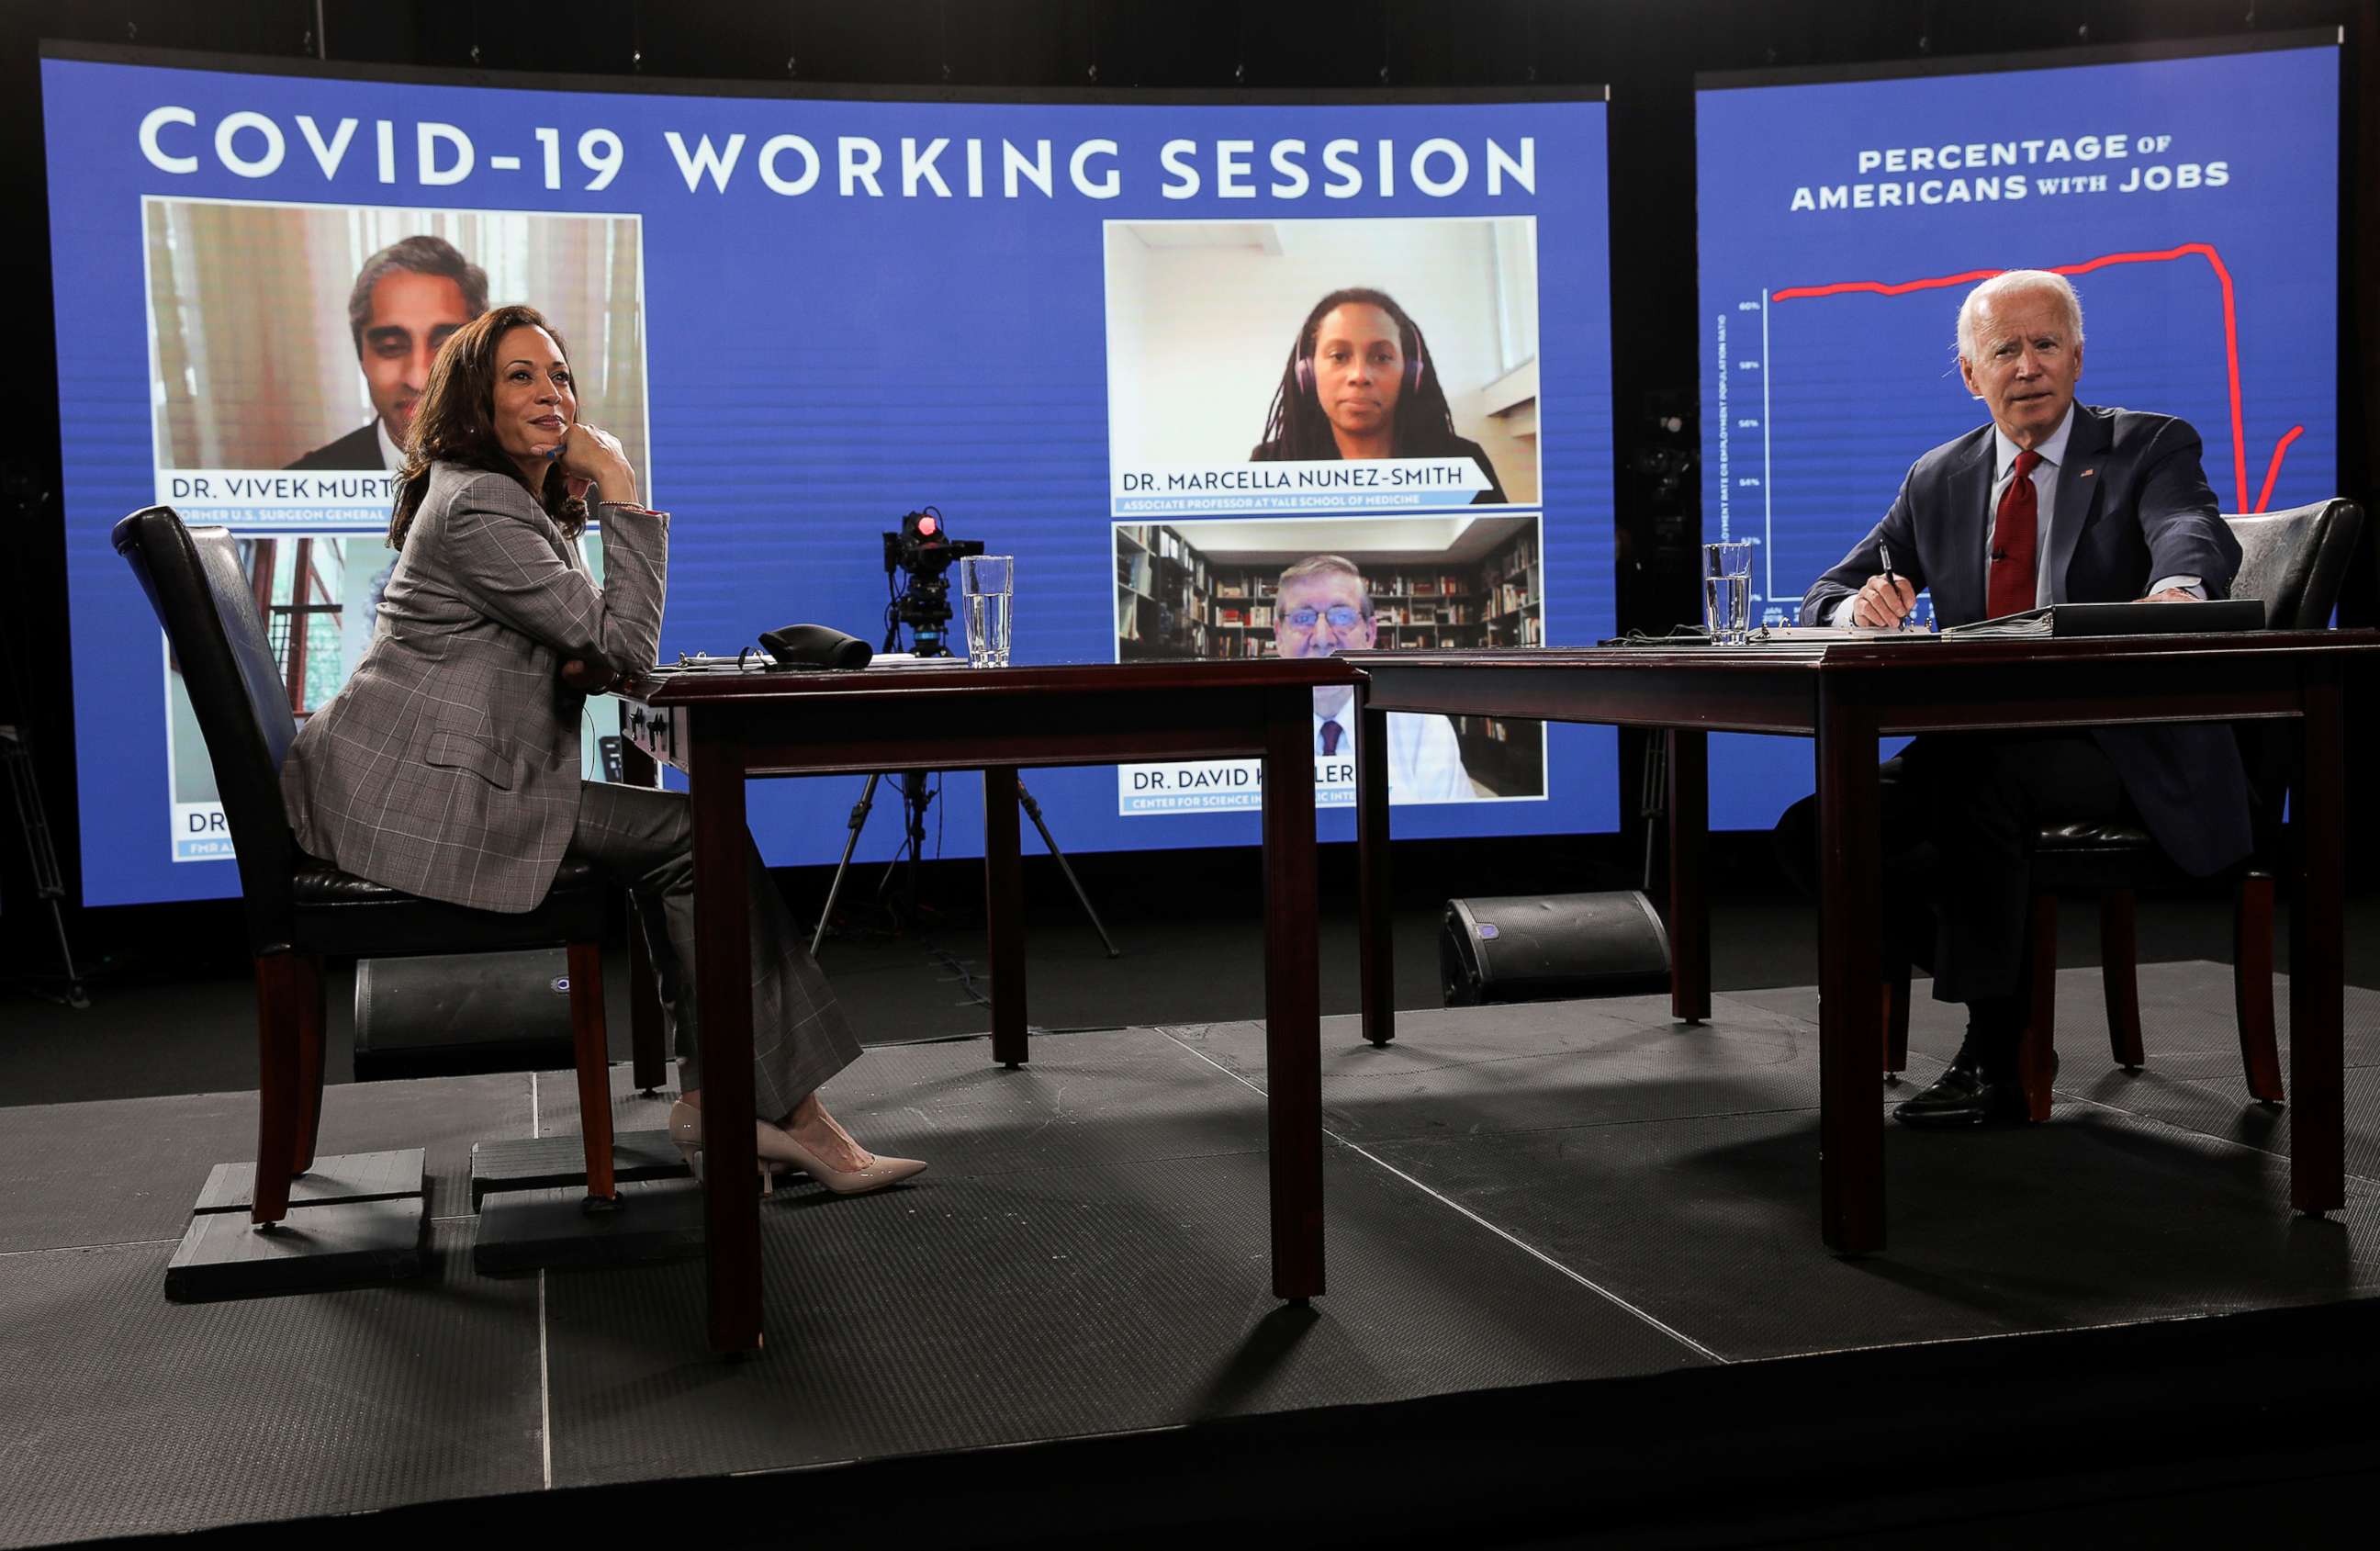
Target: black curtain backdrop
(1647, 50)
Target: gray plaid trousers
(645, 839)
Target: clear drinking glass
(1727, 592)
(987, 588)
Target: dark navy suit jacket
(357, 449)
(2132, 507)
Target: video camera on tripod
(925, 551)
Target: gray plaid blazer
(448, 765)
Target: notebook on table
(2191, 618)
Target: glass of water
(987, 586)
(1727, 592)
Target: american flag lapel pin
(2086, 473)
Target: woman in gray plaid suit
(449, 765)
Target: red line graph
(2170, 255)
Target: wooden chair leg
(308, 996)
(2251, 985)
(2036, 1051)
(2120, 977)
(277, 1097)
(592, 1055)
(1896, 1021)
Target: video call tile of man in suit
(2114, 506)
(1322, 609)
(408, 299)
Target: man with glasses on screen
(410, 298)
(1322, 609)
(2052, 501)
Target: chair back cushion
(2296, 560)
(202, 596)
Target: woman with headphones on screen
(1360, 384)
(448, 765)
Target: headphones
(1303, 366)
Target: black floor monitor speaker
(1550, 947)
(450, 1015)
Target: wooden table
(1847, 695)
(722, 727)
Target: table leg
(2317, 955)
(648, 1035)
(1003, 911)
(723, 969)
(1292, 995)
(648, 1039)
(1689, 804)
(1375, 939)
(1850, 1031)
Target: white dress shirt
(1424, 760)
(392, 456)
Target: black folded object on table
(815, 646)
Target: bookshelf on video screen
(1078, 329)
(2192, 201)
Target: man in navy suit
(2054, 501)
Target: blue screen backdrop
(815, 356)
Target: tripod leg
(1033, 811)
(916, 795)
(76, 995)
(39, 855)
(850, 845)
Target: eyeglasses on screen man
(1342, 616)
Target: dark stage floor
(163, 1020)
(1577, 1208)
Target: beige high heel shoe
(779, 1151)
(876, 1174)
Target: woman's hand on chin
(591, 457)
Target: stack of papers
(1807, 633)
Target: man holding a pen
(2053, 502)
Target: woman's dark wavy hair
(455, 421)
(1297, 429)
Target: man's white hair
(1329, 565)
(2011, 283)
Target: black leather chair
(301, 911)
(2297, 563)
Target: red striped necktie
(2016, 533)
